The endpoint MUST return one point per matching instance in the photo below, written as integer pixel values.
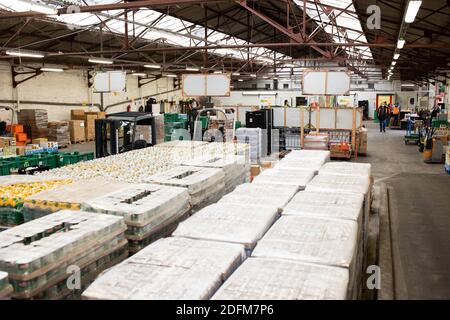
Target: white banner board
(202, 85)
(111, 81)
(331, 83)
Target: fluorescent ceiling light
(290, 65)
(394, 63)
(401, 43)
(411, 12)
(396, 56)
(152, 66)
(240, 80)
(218, 72)
(236, 74)
(171, 75)
(192, 69)
(52, 69)
(253, 75)
(100, 61)
(408, 85)
(139, 74)
(28, 54)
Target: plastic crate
(10, 217)
(5, 168)
(170, 117)
(86, 156)
(65, 158)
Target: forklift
(118, 133)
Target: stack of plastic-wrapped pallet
(304, 160)
(205, 185)
(253, 137)
(346, 177)
(253, 194)
(5, 288)
(150, 211)
(236, 168)
(39, 254)
(171, 268)
(287, 177)
(232, 223)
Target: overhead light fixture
(100, 61)
(394, 63)
(139, 74)
(52, 69)
(253, 75)
(171, 75)
(413, 9)
(240, 80)
(236, 74)
(408, 85)
(217, 72)
(401, 43)
(24, 53)
(152, 66)
(289, 65)
(192, 69)
(396, 56)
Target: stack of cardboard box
(88, 119)
(59, 132)
(37, 120)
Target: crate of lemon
(13, 197)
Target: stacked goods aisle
(36, 255)
(303, 255)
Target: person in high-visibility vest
(396, 114)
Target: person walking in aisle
(382, 116)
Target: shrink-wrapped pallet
(37, 254)
(5, 288)
(310, 164)
(276, 279)
(330, 242)
(261, 194)
(288, 177)
(308, 154)
(183, 144)
(69, 196)
(169, 269)
(205, 185)
(254, 138)
(236, 168)
(346, 168)
(150, 211)
(229, 223)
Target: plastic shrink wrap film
(5, 288)
(182, 144)
(298, 178)
(229, 223)
(349, 184)
(36, 255)
(252, 137)
(308, 154)
(205, 185)
(347, 169)
(315, 240)
(148, 210)
(235, 167)
(261, 194)
(276, 279)
(170, 268)
(67, 197)
(333, 205)
(313, 164)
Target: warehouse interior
(224, 150)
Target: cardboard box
(7, 142)
(255, 170)
(77, 130)
(17, 128)
(89, 126)
(77, 114)
(39, 140)
(100, 114)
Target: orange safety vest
(396, 110)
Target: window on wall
(267, 85)
(285, 85)
(254, 86)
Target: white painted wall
(71, 87)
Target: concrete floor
(414, 240)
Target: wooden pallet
(78, 142)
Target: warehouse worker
(383, 114)
(396, 114)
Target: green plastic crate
(5, 168)
(170, 117)
(438, 123)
